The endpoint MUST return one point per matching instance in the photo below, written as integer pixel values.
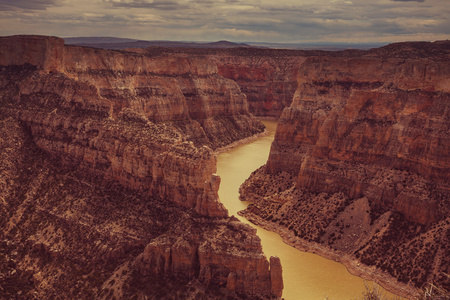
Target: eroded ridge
(107, 156)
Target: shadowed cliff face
(269, 82)
(268, 77)
(104, 155)
(360, 161)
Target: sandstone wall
(216, 259)
(269, 82)
(353, 118)
(268, 77)
(186, 90)
(73, 233)
(70, 97)
(365, 133)
(111, 151)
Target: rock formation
(215, 259)
(268, 79)
(185, 90)
(107, 156)
(53, 84)
(360, 162)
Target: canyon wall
(268, 77)
(107, 152)
(268, 80)
(216, 259)
(360, 162)
(54, 84)
(183, 89)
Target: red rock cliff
(69, 232)
(377, 114)
(268, 77)
(268, 81)
(186, 93)
(367, 133)
(216, 259)
(106, 152)
(186, 90)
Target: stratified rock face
(352, 120)
(105, 152)
(67, 232)
(186, 90)
(367, 133)
(268, 77)
(269, 81)
(215, 259)
(52, 84)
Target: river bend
(305, 275)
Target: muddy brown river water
(305, 275)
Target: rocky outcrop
(144, 157)
(107, 152)
(276, 280)
(215, 259)
(69, 232)
(372, 118)
(368, 133)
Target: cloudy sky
(288, 21)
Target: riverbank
(305, 275)
(250, 138)
(242, 142)
(353, 265)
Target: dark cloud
(12, 5)
(237, 20)
(408, 0)
(155, 4)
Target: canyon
(108, 167)
(359, 168)
(268, 77)
(108, 177)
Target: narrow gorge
(108, 184)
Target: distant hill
(97, 40)
(318, 46)
(123, 43)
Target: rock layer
(268, 79)
(52, 83)
(68, 232)
(215, 259)
(107, 152)
(374, 120)
(186, 90)
(366, 133)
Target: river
(305, 275)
